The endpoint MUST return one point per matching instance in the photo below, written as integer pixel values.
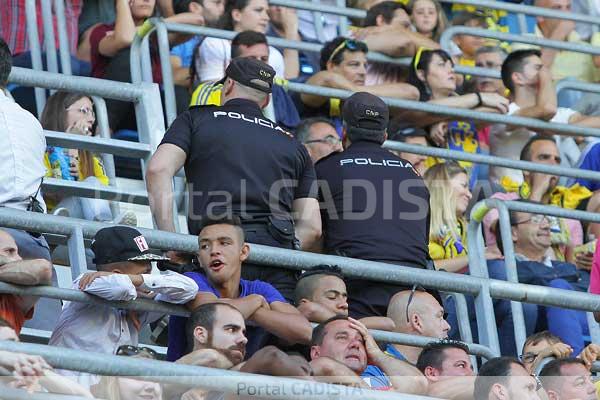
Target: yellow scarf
(565, 197)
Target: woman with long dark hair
(74, 113)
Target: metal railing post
(484, 307)
(77, 257)
(167, 72)
(35, 51)
(452, 31)
(49, 38)
(107, 159)
(63, 39)
(510, 264)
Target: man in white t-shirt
(533, 96)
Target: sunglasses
(350, 44)
(528, 358)
(129, 351)
(411, 297)
(83, 110)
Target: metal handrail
(363, 269)
(492, 160)
(141, 304)
(452, 31)
(194, 376)
(533, 123)
(476, 249)
(496, 5)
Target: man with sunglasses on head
(123, 261)
(319, 137)
(344, 66)
(531, 236)
(414, 312)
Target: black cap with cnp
(365, 111)
(251, 72)
(121, 243)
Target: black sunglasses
(410, 299)
(128, 350)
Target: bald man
(416, 312)
(13, 269)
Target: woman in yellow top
(448, 185)
(74, 113)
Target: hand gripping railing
(477, 251)
(213, 379)
(284, 258)
(452, 31)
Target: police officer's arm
(162, 167)
(285, 321)
(307, 218)
(404, 377)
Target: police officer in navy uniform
(237, 162)
(375, 205)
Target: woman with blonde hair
(448, 185)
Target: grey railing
(193, 376)
(492, 160)
(283, 258)
(496, 5)
(577, 85)
(476, 249)
(148, 108)
(452, 31)
(532, 123)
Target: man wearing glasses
(531, 235)
(504, 378)
(319, 137)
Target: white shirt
(214, 56)
(21, 155)
(102, 329)
(306, 23)
(509, 143)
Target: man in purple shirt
(221, 254)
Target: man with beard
(342, 348)
(222, 251)
(217, 332)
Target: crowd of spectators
(350, 197)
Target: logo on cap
(264, 73)
(140, 241)
(372, 113)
